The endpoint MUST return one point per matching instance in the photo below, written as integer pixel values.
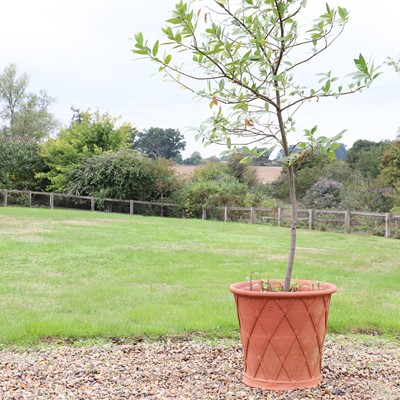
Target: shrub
(125, 174)
(20, 161)
(226, 191)
(353, 184)
(243, 172)
(260, 196)
(378, 199)
(307, 174)
(324, 194)
(88, 135)
(210, 171)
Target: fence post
(279, 216)
(387, 225)
(52, 200)
(347, 219)
(92, 203)
(29, 199)
(131, 207)
(253, 215)
(311, 215)
(226, 214)
(5, 194)
(203, 214)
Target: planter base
(282, 334)
(277, 385)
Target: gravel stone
(189, 368)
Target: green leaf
(245, 160)
(360, 62)
(155, 48)
(328, 10)
(167, 59)
(174, 21)
(343, 13)
(139, 38)
(198, 135)
(140, 51)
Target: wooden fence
(59, 200)
(384, 224)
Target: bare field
(264, 174)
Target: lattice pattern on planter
(283, 338)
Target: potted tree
(251, 55)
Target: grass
(77, 274)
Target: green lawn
(89, 274)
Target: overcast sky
(79, 51)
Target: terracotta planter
(282, 334)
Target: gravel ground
(191, 368)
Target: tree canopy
(91, 134)
(195, 159)
(390, 166)
(366, 156)
(20, 161)
(158, 142)
(24, 114)
(247, 53)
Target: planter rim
(243, 289)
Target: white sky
(79, 52)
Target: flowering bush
(327, 193)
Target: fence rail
(384, 224)
(59, 200)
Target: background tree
(365, 156)
(20, 161)
(248, 53)
(389, 176)
(157, 142)
(390, 166)
(387, 171)
(195, 159)
(24, 114)
(92, 134)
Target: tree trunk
(293, 230)
(293, 200)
